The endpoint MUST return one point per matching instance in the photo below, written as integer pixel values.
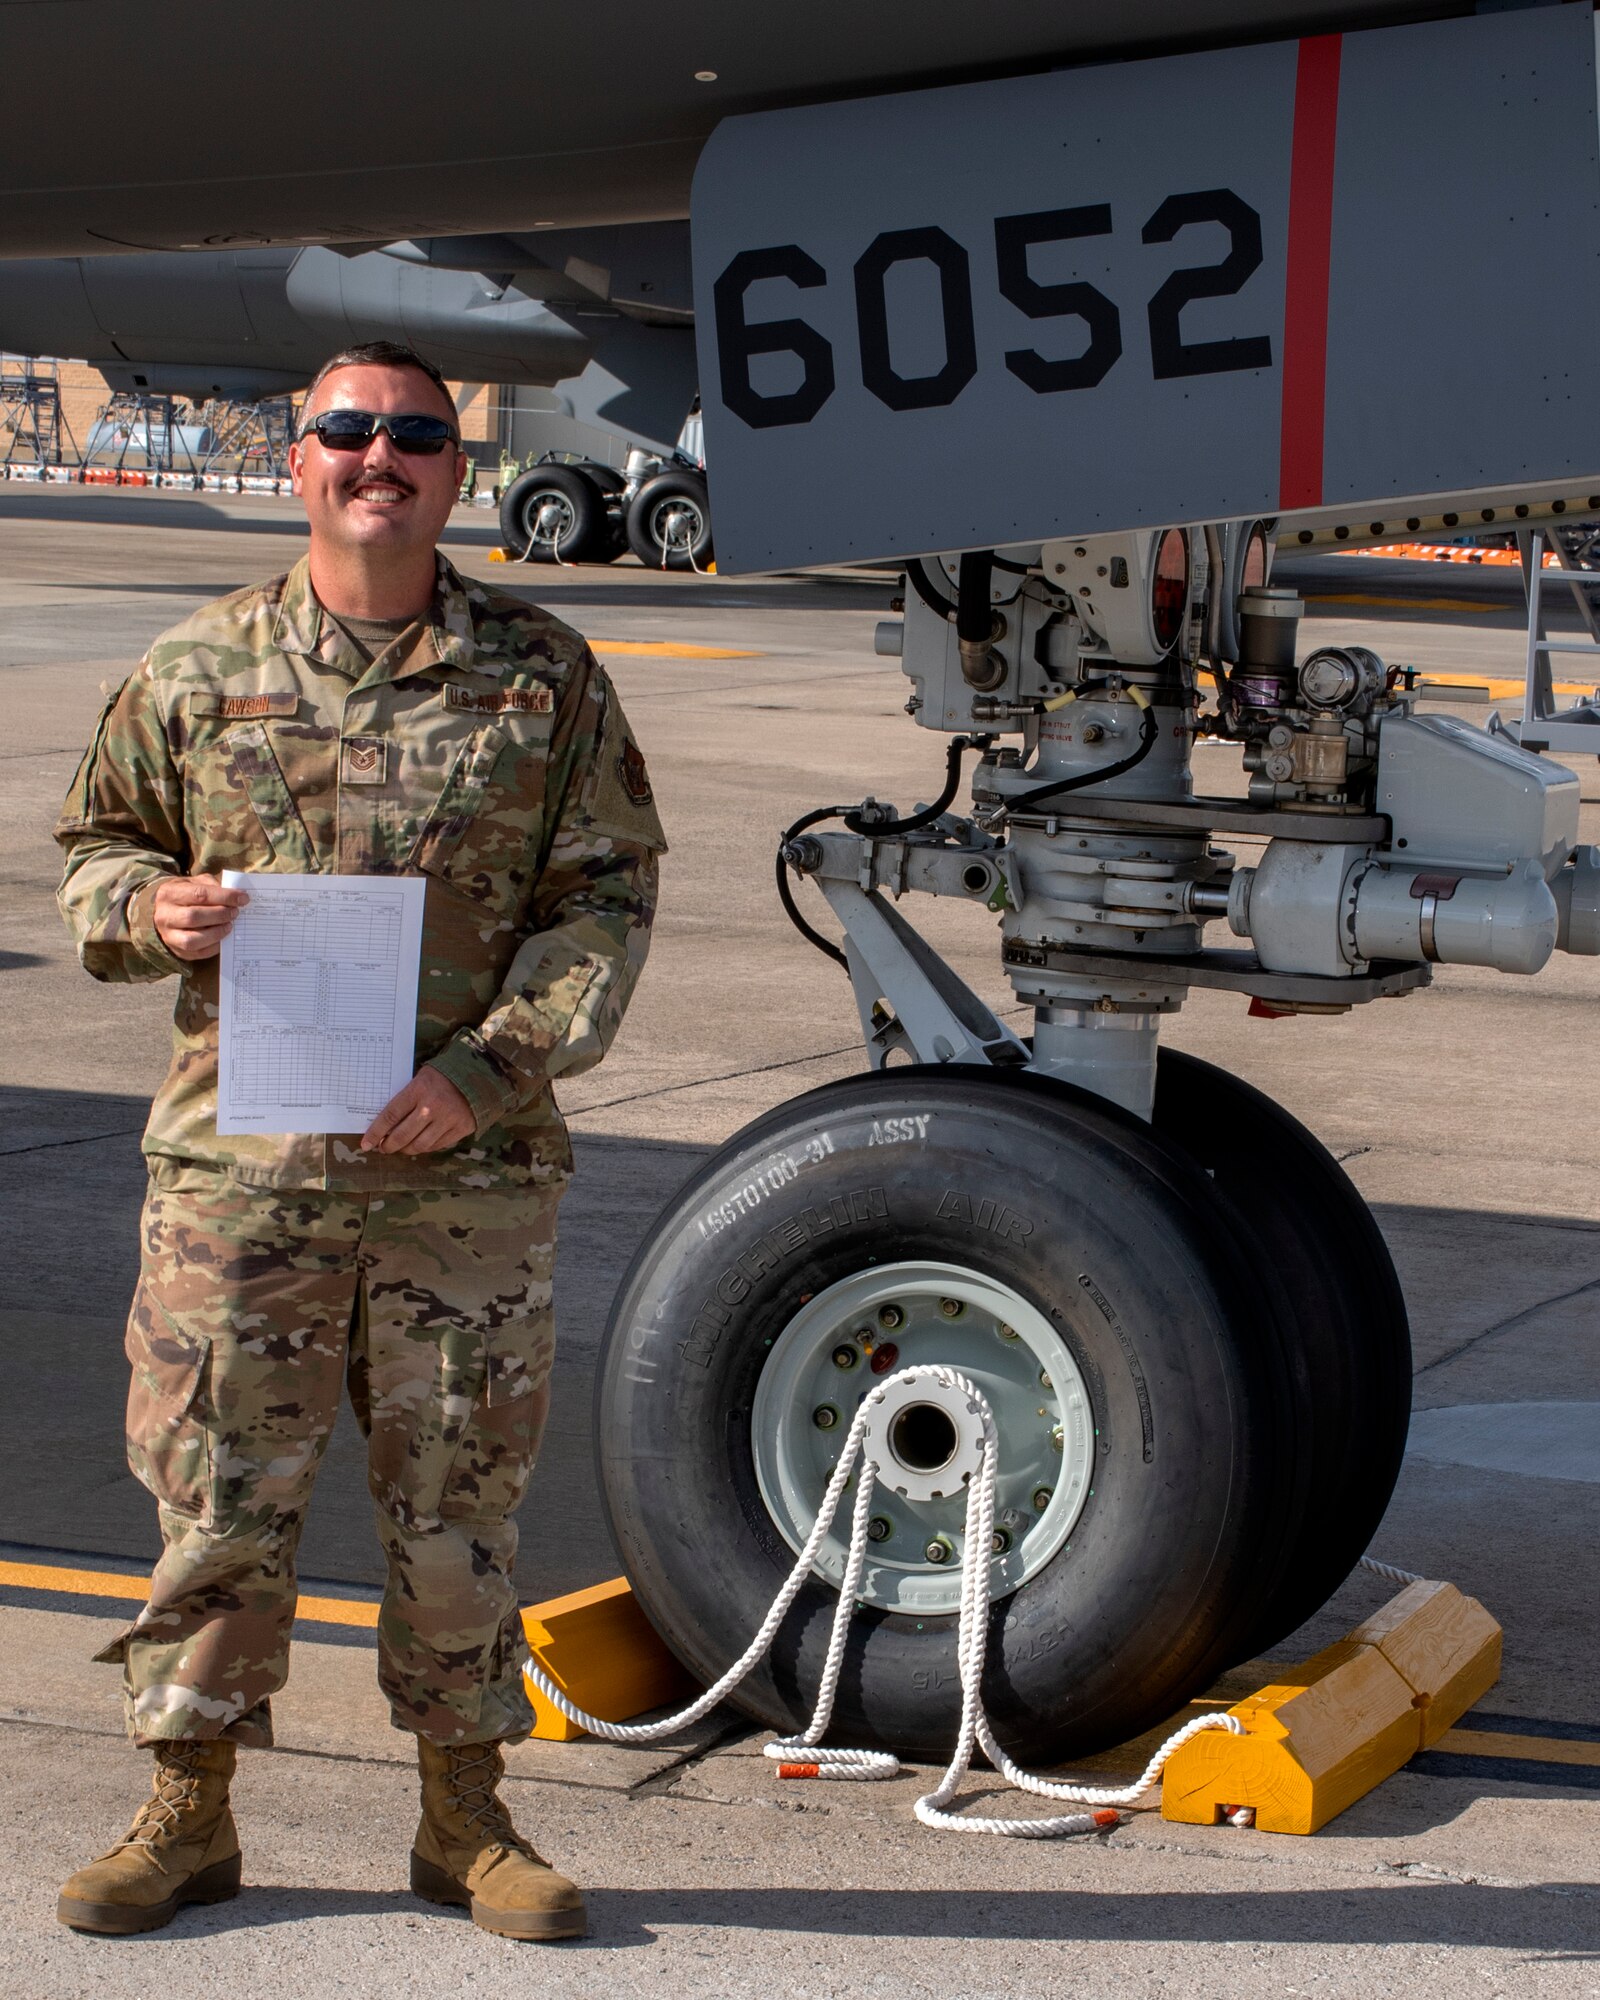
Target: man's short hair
(374, 354)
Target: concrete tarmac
(1467, 1117)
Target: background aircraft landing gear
(1136, 1342)
(557, 513)
(669, 522)
(588, 512)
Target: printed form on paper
(319, 1000)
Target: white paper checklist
(319, 1000)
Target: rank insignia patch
(363, 760)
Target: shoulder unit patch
(635, 778)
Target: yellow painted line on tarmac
(669, 649)
(1406, 603)
(112, 1583)
(1496, 688)
(1539, 1749)
(82, 1582)
(336, 1611)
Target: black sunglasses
(353, 430)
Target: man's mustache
(386, 477)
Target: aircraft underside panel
(1343, 272)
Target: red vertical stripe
(1305, 303)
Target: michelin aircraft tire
(669, 522)
(985, 1219)
(1350, 1338)
(561, 511)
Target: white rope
(803, 1756)
(1389, 1571)
(555, 547)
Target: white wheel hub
(924, 1439)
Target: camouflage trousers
(253, 1306)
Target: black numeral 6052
(1015, 236)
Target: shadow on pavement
(71, 1183)
(72, 1178)
(1554, 1921)
(129, 510)
(563, 594)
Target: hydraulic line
(974, 612)
(791, 908)
(854, 820)
(935, 599)
(888, 827)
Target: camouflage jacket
(485, 750)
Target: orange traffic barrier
(1453, 552)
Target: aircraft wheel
(669, 522)
(1350, 1338)
(1080, 1270)
(557, 510)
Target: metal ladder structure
(138, 422)
(31, 413)
(249, 435)
(1543, 726)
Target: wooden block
(1444, 1645)
(1326, 1732)
(1311, 1747)
(604, 1654)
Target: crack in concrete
(18, 1719)
(735, 1075)
(1507, 1325)
(85, 1139)
(1317, 1854)
(702, 1082)
(666, 1779)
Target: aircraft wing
(188, 126)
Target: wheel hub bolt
(1001, 1541)
(891, 1317)
(1058, 1438)
(879, 1528)
(825, 1416)
(939, 1550)
(952, 1308)
(1008, 1333)
(1041, 1498)
(1044, 1379)
(845, 1357)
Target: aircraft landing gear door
(1128, 295)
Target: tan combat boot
(182, 1848)
(467, 1851)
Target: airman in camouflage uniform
(485, 750)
